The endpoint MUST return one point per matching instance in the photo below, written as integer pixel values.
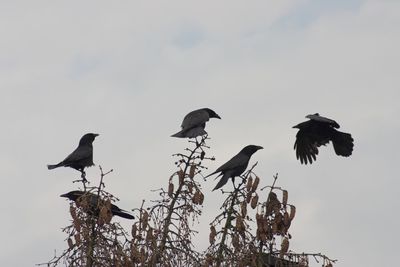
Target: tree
(249, 231)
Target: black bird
(319, 131)
(194, 123)
(235, 166)
(94, 205)
(81, 157)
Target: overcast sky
(131, 70)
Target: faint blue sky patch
(189, 37)
(310, 11)
(82, 66)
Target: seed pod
(255, 184)
(149, 235)
(284, 197)
(190, 187)
(77, 224)
(213, 234)
(243, 208)
(286, 219)
(134, 230)
(181, 176)
(70, 243)
(249, 183)
(235, 241)
(284, 247)
(292, 212)
(254, 201)
(196, 197)
(77, 238)
(248, 197)
(239, 224)
(201, 198)
(145, 219)
(72, 210)
(328, 265)
(170, 189)
(192, 170)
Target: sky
(131, 70)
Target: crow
(81, 157)
(194, 123)
(235, 166)
(94, 206)
(319, 131)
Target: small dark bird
(81, 157)
(94, 205)
(319, 131)
(194, 123)
(235, 166)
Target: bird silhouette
(194, 123)
(235, 166)
(318, 131)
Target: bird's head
(88, 138)
(212, 114)
(73, 195)
(250, 149)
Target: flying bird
(94, 206)
(319, 131)
(81, 157)
(235, 166)
(194, 123)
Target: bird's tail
(123, 214)
(50, 167)
(224, 179)
(191, 133)
(343, 144)
(179, 134)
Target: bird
(194, 123)
(81, 157)
(318, 131)
(94, 206)
(235, 166)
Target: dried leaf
(292, 212)
(134, 230)
(213, 234)
(181, 176)
(284, 197)
(170, 189)
(254, 201)
(243, 208)
(255, 184)
(249, 183)
(284, 247)
(248, 197)
(77, 238)
(192, 170)
(70, 243)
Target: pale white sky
(130, 70)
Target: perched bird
(81, 157)
(235, 166)
(194, 123)
(94, 206)
(319, 131)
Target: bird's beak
(63, 195)
(296, 126)
(217, 116)
(260, 147)
(96, 135)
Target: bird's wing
(195, 118)
(237, 161)
(306, 148)
(318, 118)
(81, 152)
